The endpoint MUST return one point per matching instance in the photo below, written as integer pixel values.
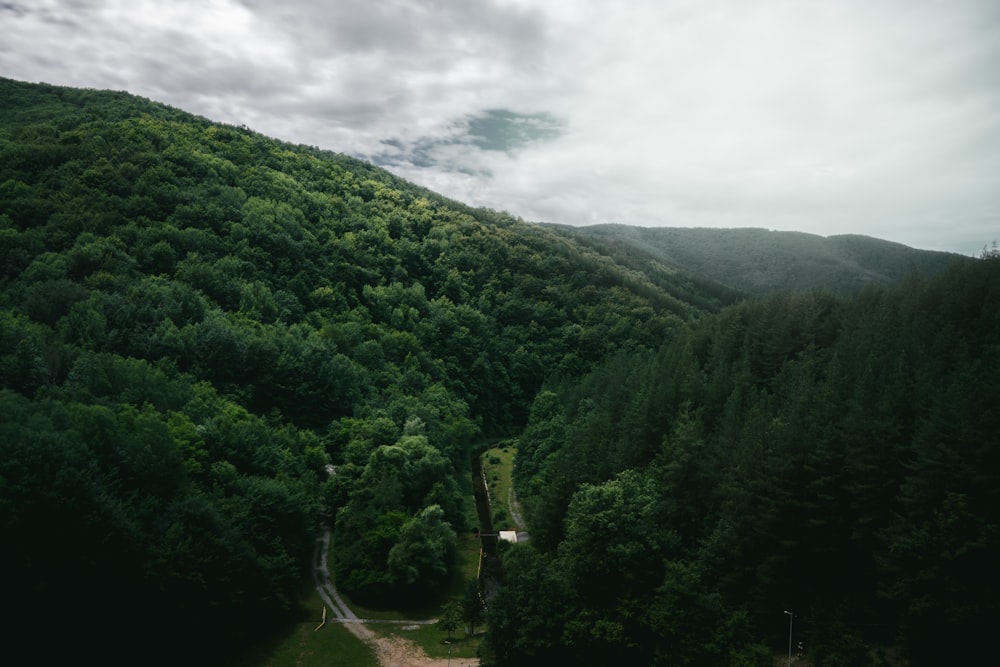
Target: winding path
(391, 651)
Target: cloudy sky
(878, 117)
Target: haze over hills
(197, 321)
(760, 261)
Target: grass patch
(498, 466)
(466, 564)
(299, 644)
(302, 645)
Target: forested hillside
(836, 459)
(213, 343)
(196, 320)
(759, 261)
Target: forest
(213, 343)
(832, 457)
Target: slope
(758, 261)
(198, 323)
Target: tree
(420, 559)
(451, 618)
(363, 539)
(612, 558)
(473, 606)
(684, 619)
(527, 614)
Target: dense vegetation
(196, 320)
(835, 458)
(213, 343)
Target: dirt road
(391, 651)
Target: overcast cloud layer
(877, 117)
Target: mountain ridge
(701, 258)
(758, 261)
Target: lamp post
(790, 617)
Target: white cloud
(849, 117)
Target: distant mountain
(758, 261)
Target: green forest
(213, 344)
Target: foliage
(451, 618)
(835, 457)
(213, 342)
(198, 324)
(473, 607)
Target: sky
(876, 117)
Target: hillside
(832, 458)
(758, 261)
(196, 320)
(198, 323)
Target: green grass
(300, 644)
(304, 646)
(498, 465)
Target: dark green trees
(248, 312)
(211, 343)
(396, 536)
(836, 457)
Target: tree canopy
(835, 457)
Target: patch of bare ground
(399, 652)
